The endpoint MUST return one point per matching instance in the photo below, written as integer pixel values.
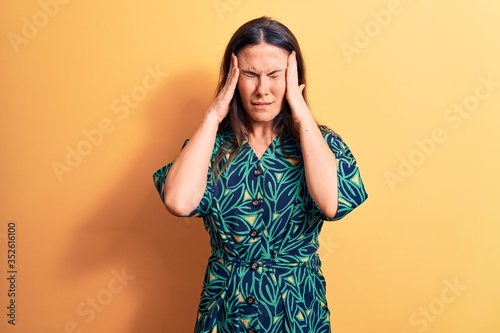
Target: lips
(262, 103)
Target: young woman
(264, 176)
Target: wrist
(305, 121)
(212, 118)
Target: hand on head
(294, 91)
(221, 103)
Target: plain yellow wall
(95, 96)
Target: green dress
(264, 272)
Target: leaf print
(264, 272)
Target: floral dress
(264, 272)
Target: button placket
(254, 234)
(256, 202)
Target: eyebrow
(254, 73)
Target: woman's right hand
(187, 179)
(220, 106)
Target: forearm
(320, 167)
(186, 181)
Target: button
(250, 300)
(254, 233)
(256, 202)
(257, 172)
(254, 265)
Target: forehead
(262, 57)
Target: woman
(264, 176)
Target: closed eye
(250, 74)
(276, 74)
(273, 75)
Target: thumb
(302, 87)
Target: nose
(263, 86)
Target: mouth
(261, 104)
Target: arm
(186, 180)
(320, 163)
(320, 167)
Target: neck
(261, 133)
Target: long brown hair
(254, 32)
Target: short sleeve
(160, 176)
(351, 190)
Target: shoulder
(223, 142)
(325, 130)
(223, 137)
(335, 142)
(331, 137)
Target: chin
(262, 116)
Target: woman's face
(262, 81)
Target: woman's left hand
(294, 91)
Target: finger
(232, 78)
(302, 87)
(229, 73)
(234, 73)
(231, 69)
(292, 76)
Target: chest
(251, 185)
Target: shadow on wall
(164, 256)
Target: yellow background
(422, 254)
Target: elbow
(329, 208)
(328, 205)
(330, 211)
(177, 207)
